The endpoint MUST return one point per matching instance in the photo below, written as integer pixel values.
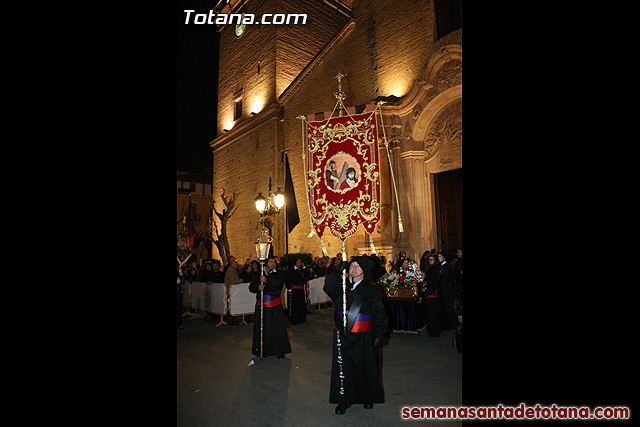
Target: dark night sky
(197, 87)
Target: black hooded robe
(274, 333)
(361, 382)
(446, 296)
(296, 300)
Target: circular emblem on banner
(183, 243)
(342, 173)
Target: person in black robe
(274, 332)
(355, 373)
(457, 271)
(446, 293)
(434, 316)
(295, 291)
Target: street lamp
(272, 204)
(278, 199)
(268, 209)
(263, 244)
(261, 203)
(262, 251)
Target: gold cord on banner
(386, 145)
(306, 183)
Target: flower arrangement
(267, 220)
(268, 216)
(403, 283)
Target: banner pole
(344, 291)
(393, 179)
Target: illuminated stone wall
(388, 49)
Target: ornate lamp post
(269, 207)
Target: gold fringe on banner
(324, 250)
(373, 248)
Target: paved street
(216, 387)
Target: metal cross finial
(340, 95)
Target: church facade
(406, 53)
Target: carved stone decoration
(431, 93)
(445, 130)
(449, 75)
(444, 68)
(416, 111)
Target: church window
(237, 108)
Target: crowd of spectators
(443, 274)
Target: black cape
(296, 301)
(362, 382)
(274, 334)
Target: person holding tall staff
(275, 340)
(355, 372)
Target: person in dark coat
(355, 373)
(333, 266)
(211, 273)
(378, 270)
(295, 291)
(192, 275)
(275, 338)
(446, 293)
(457, 271)
(424, 263)
(316, 269)
(434, 316)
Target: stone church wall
(387, 50)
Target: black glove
(377, 342)
(343, 266)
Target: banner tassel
(324, 250)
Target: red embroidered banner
(343, 174)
